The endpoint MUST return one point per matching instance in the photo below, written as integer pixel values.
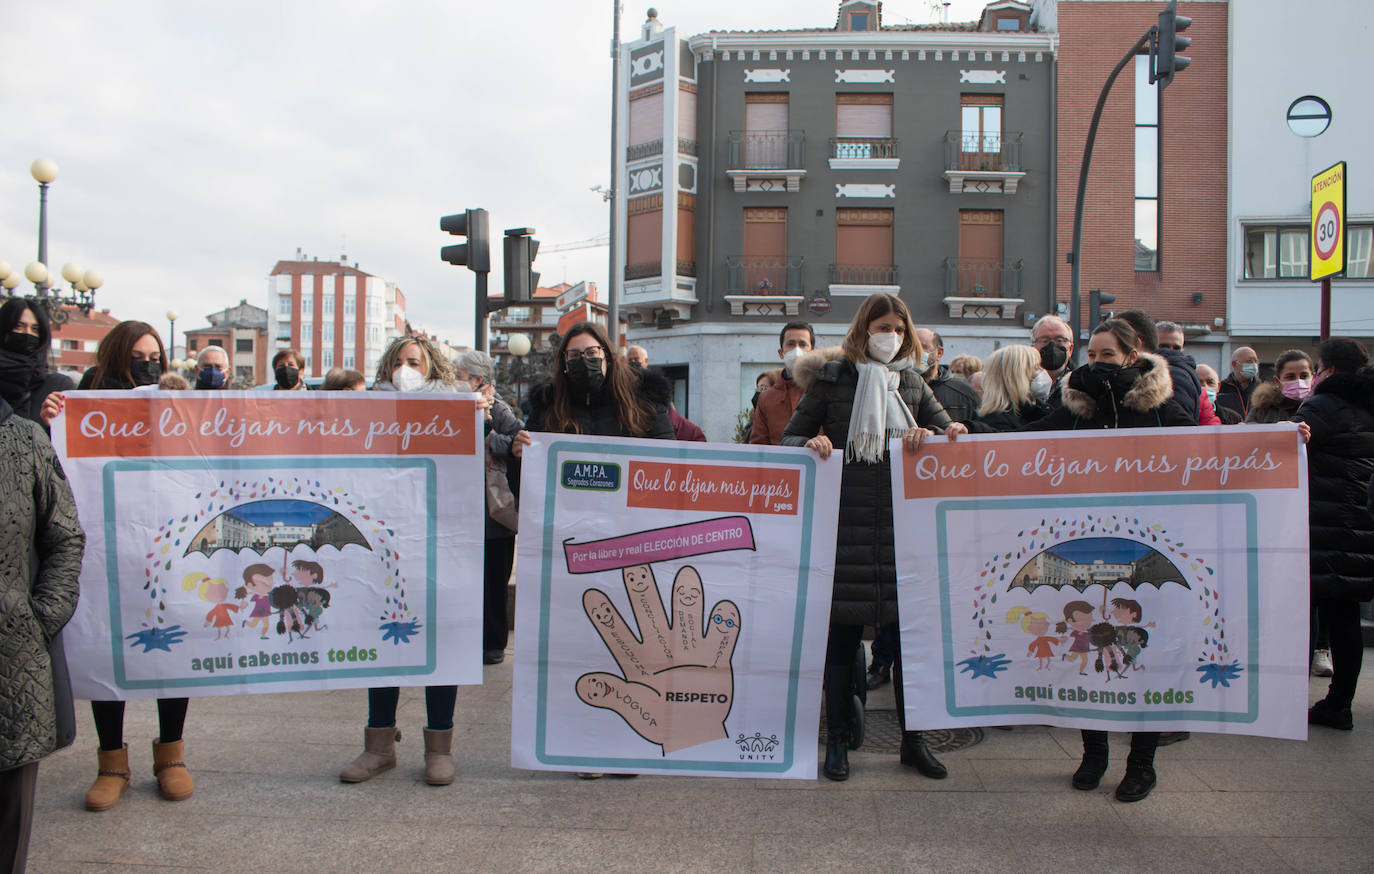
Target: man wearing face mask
(1236, 389)
(1053, 339)
(954, 394)
(777, 404)
(1210, 383)
(212, 369)
(288, 367)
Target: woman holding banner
(26, 383)
(862, 394)
(1119, 387)
(131, 356)
(410, 364)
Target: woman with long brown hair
(858, 397)
(591, 390)
(132, 356)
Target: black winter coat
(865, 590)
(1140, 396)
(1183, 373)
(26, 390)
(596, 413)
(1340, 459)
(1234, 396)
(954, 394)
(1014, 420)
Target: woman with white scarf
(859, 396)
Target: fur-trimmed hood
(1269, 395)
(808, 366)
(1152, 389)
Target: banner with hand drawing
(672, 607)
(1151, 579)
(274, 541)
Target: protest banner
(619, 666)
(268, 542)
(1151, 579)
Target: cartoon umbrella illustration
(1097, 561)
(263, 525)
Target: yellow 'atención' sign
(1328, 222)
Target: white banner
(274, 541)
(1151, 579)
(673, 601)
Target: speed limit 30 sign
(1328, 222)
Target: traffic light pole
(482, 312)
(1075, 256)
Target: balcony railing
(863, 148)
(686, 145)
(644, 150)
(965, 150)
(763, 274)
(982, 277)
(767, 149)
(863, 274)
(643, 269)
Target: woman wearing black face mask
(287, 368)
(26, 384)
(131, 356)
(1120, 388)
(592, 391)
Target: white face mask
(883, 346)
(1041, 385)
(1211, 395)
(790, 359)
(407, 379)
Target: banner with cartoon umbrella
(259, 526)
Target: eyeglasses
(592, 352)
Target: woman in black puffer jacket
(860, 395)
(593, 391)
(27, 382)
(1340, 459)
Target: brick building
(1173, 268)
(241, 331)
(74, 342)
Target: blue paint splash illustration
(399, 632)
(985, 666)
(157, 638)
(1219, 674)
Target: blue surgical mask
(1211, 395)
(209, 378)
(1249, 371)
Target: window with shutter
(765, 124)
(646, 119)
(764, 258)
(863, 247)
(980, 251)
(863, 126)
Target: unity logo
(757, 748)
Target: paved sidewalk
(268, 799)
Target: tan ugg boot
(173, 780)
(378, 755)
(111, 780)
(439, 769)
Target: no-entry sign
(1328, 222)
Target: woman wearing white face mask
(862, 394)
(1276, 400)
(1015, 387)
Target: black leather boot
(837, 757)
(1094, 764)
(915, 754)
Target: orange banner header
(715, 488)
(282, 423)
(1237, 459)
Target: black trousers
(1341, 621)
(17, 787)
(1143, 745)
(109, 721)
(500, 556)
(839, 677)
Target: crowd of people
(887, 379)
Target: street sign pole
(1327, 235)
(1326, 309)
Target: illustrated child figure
(257, 584)
(316, 600)
(1130, 638)
(290, 619)
(1078, 618)
(1038, 626)
(309, 574)
(216, 592)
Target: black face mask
(145, 372)
(287, 377)
(1100, 378)
(23, 344)
(585, 375)
(210, 378)
(1053, 356)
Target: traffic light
(1165, 59)
(1096, 298)
(475, 254)
(520, 251)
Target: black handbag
(63, 705)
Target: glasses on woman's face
(593, 352)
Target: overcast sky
(198, 143)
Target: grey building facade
(780, 175)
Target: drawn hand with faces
(678, 682)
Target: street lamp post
(45, 282)
(519, 346)
(172, 333)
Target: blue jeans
(439, 702)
